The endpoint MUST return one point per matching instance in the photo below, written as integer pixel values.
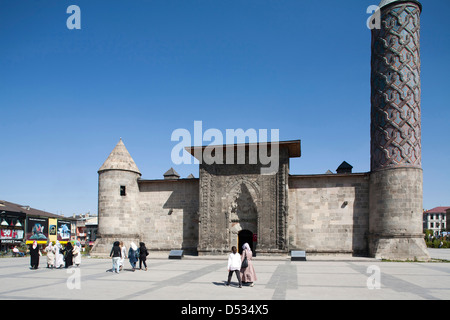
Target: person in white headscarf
(133, 255)
(59, 258)
(248, 274)
(77, 253)
(50, 255)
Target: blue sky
(141, 69)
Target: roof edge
(387, 3)
(294, 147)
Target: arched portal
(243, 204)
(245, 236)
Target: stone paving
(200, 278)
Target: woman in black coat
(68, 255)
(34, 255)
(143, 253)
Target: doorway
(245, 236)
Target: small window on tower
(123, 191)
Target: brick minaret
(395, 222)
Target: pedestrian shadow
(224, 284)
(124, 269)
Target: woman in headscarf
(59, 259)
(34, 255)
(248, 274)
(68, 254)
(133, 255)
(143, 253)
(115, 254)
(50, 255)
(77, 253)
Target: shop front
(12, 229)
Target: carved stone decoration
(204, 212)
(395, 89)
(238, 197)
(282, 203)
(243, 203)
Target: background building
(21, 224)
(86, 228)
(436, 220)
(448, 218)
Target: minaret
(118, 192)
(395, 222)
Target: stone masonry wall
(169, 214)
(329, 213)
(117, 213)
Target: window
(123, 191)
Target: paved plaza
(199, 278)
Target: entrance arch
(245, 236)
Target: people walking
(234, 265)
(50, 255)
(59, 258)
(143, 253)
(248, 274)
(116, 254)
(123, 250)
(34, 255)
(133, 255)
(68, 255)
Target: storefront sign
(37, 230)
(63, 233)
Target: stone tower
(395, 200)
(118, 203)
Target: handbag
(245, 262)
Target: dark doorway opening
(245, 236)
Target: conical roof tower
(118, 205)
(120, 159)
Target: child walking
(234, 265)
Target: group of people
(242, 266)
(135, 254)
(57, 255)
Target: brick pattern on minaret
(395, 85)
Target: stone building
(378, 213)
